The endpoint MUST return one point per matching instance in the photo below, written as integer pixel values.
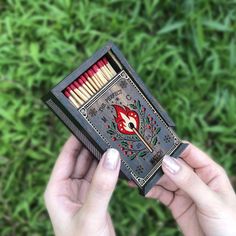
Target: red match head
(95, 68)
(67, 94)
(100, 63)
(105, 60)
(83, 78)
(76, 84)
(86, 75)
(68, 89)
(80, 81)
(91, 72)
(72, 87)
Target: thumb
(188, 181)
(103, 183)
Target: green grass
(185, 52)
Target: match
(90, 82)
(84, 85)
(78, 100)
(105, 61)
(73, 101)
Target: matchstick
(104, 69)
(73, 101)
(105, 61)
(83, 84)
(87, 83)
(90, 80)
(81, 89)
(131, 125)
(94, 78)
(100, 74)
(97, 77)
(78, 100)
(80, 95)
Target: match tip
(105, 60)
(95, 68)
(67, 94)
(68, 88)
(90, 72)
(100, 63)
(86, 75)
(72, 87)
(76, 84)
(80, 81)
(82, 78)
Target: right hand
(198, 193)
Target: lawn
(185, 51)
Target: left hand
(79, 190)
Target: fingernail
(111, 160)
(171, 164)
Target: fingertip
(111, 159)
(170, 165)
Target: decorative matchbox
(105, 105)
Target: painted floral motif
(119, 129)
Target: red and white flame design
(124, 117)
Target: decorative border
(83, 110)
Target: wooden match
(105, 70)
(105, 61)
(78, 100)
(78, 93)
(90, 80)
(87, 83)
(95, 79)
(81, 89)
(100, 74)
(73, 101)
(84, 86)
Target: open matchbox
(105, 105)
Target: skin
(78, 193)
(194, 188)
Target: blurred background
(185, 52)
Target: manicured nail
(111, 160)
(171, 164)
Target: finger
(167, 183)
(82, 164)
(158, 192)
(91, 170)
(196, 158)
(187, 180)
(207, 169)
(103, 184)
(65, 163)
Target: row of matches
(90, 82)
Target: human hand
(198, 193)
(79, 190)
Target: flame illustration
(126, 120)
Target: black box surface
(121, 114)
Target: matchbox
(105, 105)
